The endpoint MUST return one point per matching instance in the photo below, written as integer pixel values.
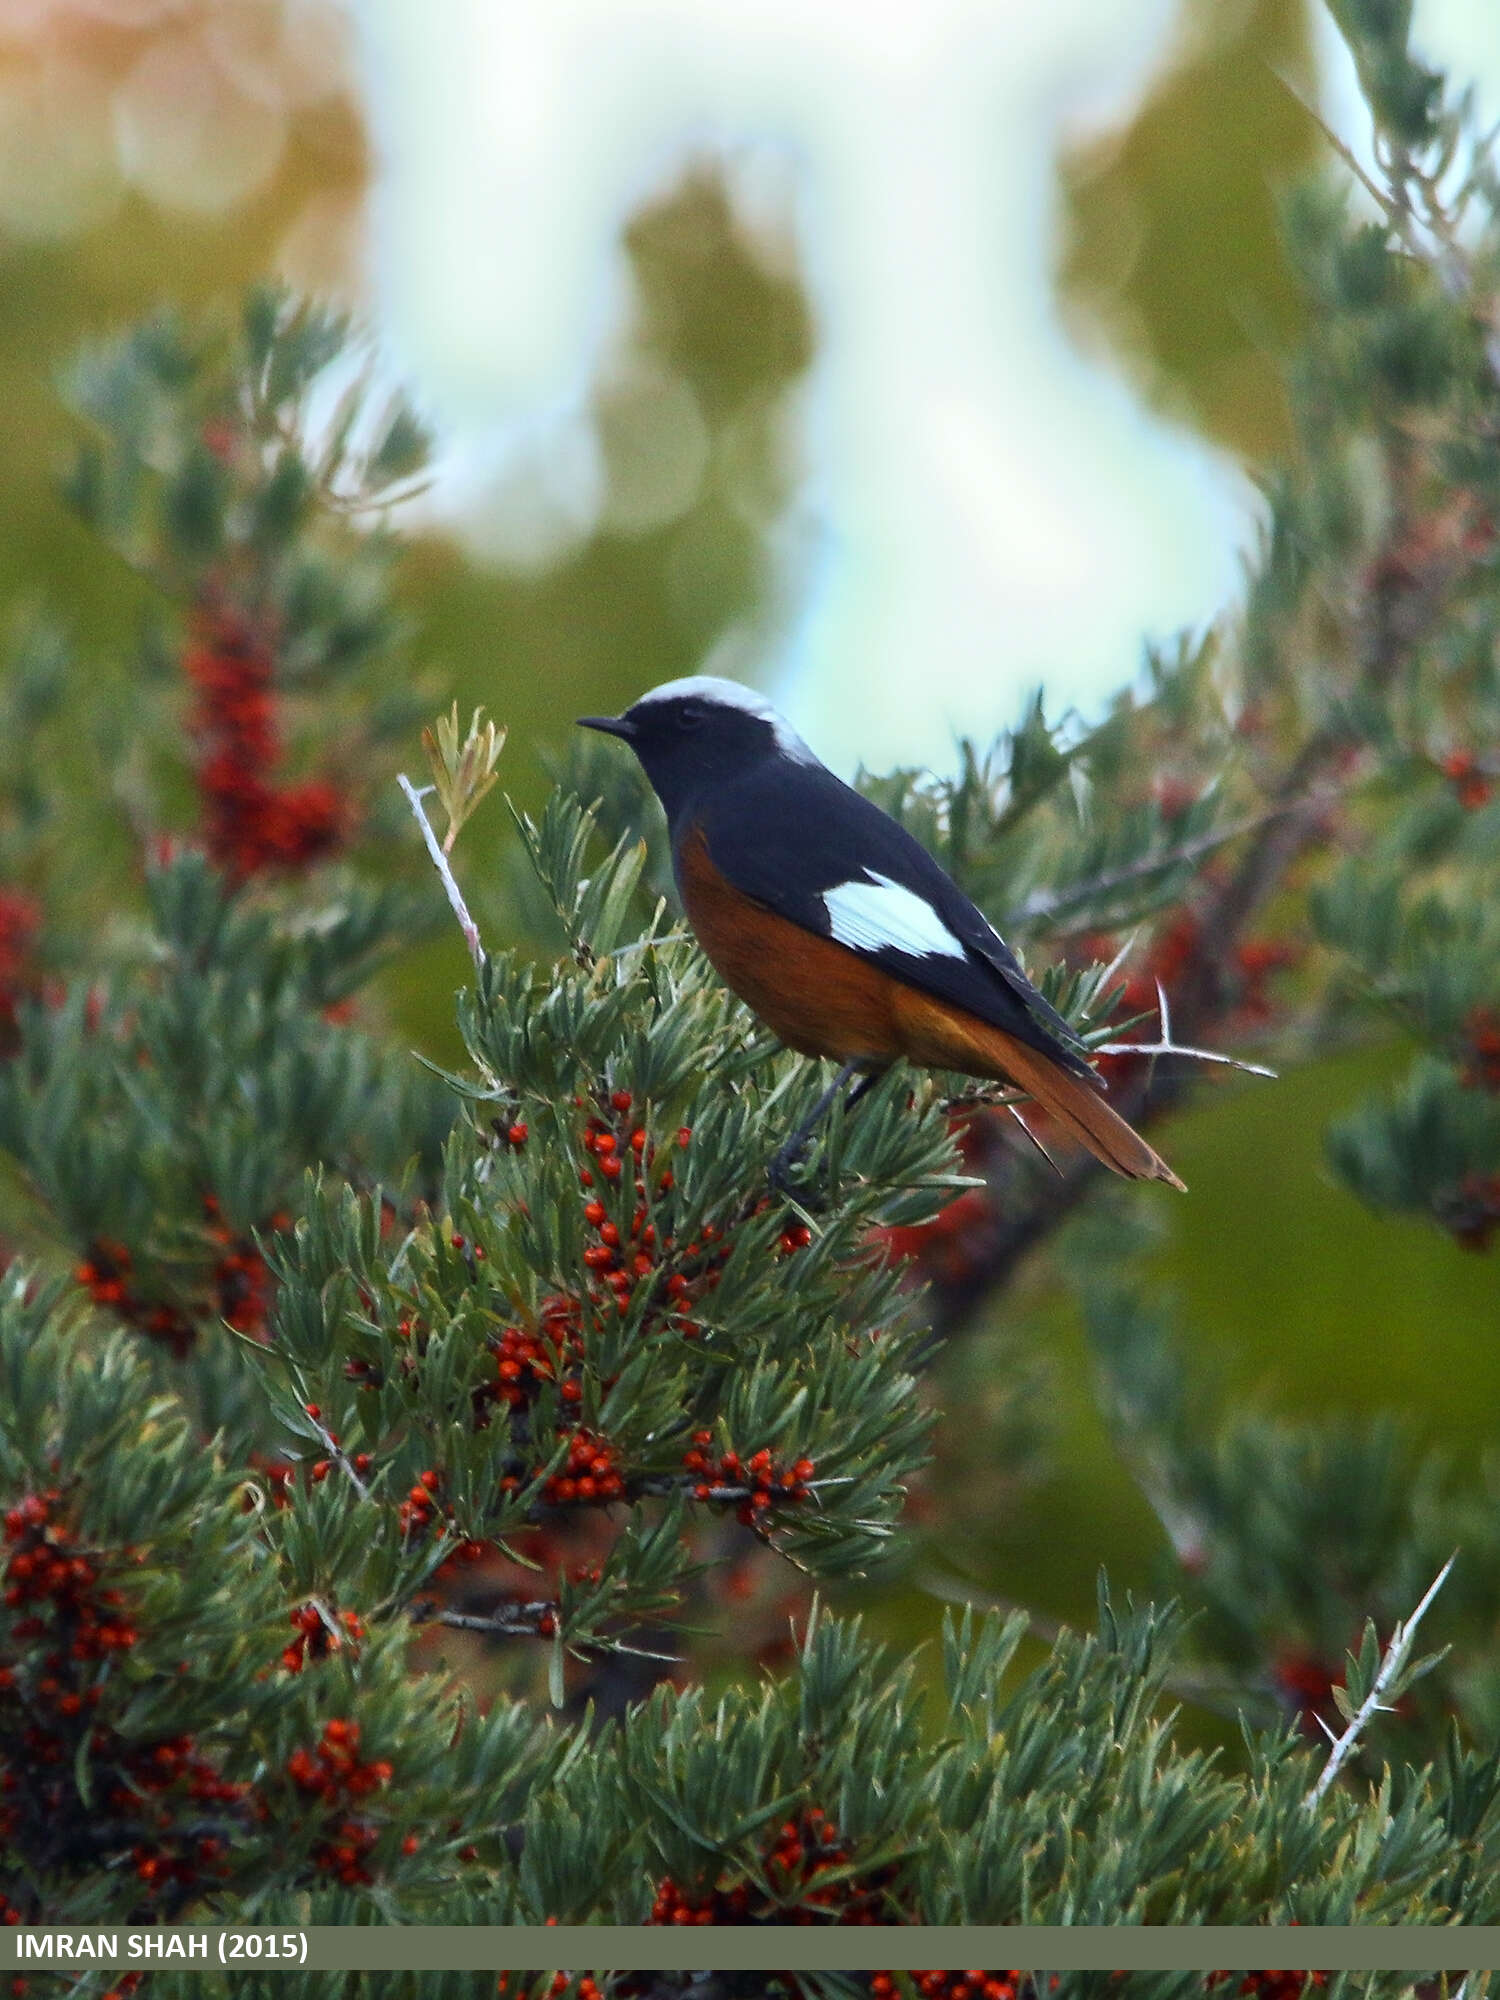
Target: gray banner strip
(1060, 1948)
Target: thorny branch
(1392, 1666)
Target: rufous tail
(1080, 1110)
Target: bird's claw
(781, 1175)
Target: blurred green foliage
(1173, 252)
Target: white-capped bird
(838, 928)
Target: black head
(699, 734)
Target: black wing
(787, 833)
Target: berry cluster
(250, 824)
(241, 1278)
(526, 1358)
(334, 1774)
(237, 1287)
(1271, 1985)
(1015, 1985)
(1173, 950)
(1256, 959)
(416, 1512)
(1174, 795)
(319, 1468)
(592, 1475)
(174, 1774)
(20, 920)
(465, 1554)
(586, 1989)
(1470, 781)
(316, 1639)
(711, 1906)
(802, 1851)
(954, 1985)
(1472, 1214)
(106, 1273)
(758, 1482)
(1305, 1683)
(1482, 1064)
(280, 1477)
(45, 1571)
(941, 1247)
(623, 1259)
(50, 1724)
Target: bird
(836, 926)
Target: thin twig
(1445, 256)
(334, 1451)
(1015, 1113)
(1381, 197)
(1045, 902)
(1170, 1048)
(1390, 1668)
(516, 1621)
(445, 874)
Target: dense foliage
(325, 1371)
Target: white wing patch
(879, 915)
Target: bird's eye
(690, 718)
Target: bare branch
(513, 1621)
(1048, 902)
(1167, 1047)
(445, 874)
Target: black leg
(789, 1154)
(866, 1083)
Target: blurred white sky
(987, 508)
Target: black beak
(607, 725)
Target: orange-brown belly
(824, 1000)
(819, 997)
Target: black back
(784, 831)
